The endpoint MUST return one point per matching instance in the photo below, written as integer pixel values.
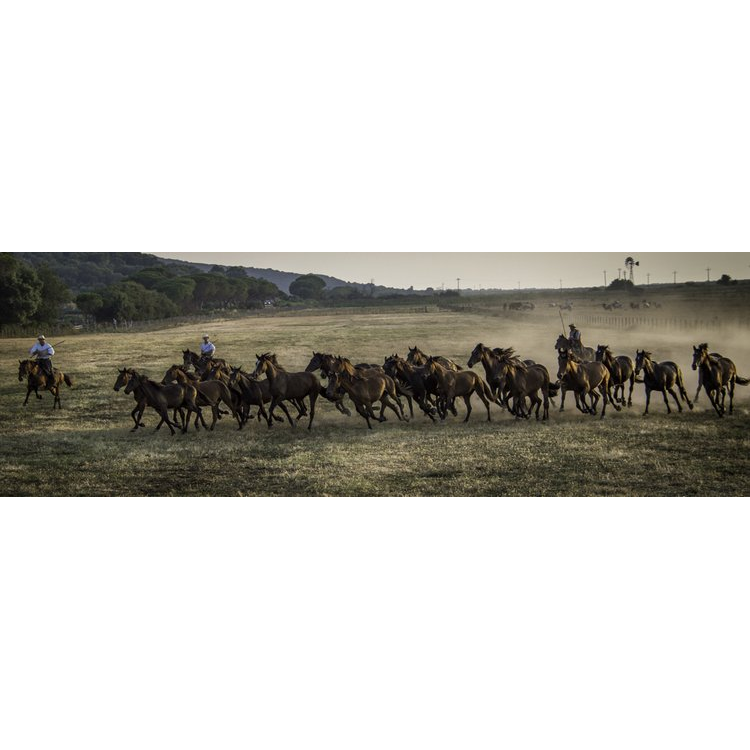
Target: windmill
(629, 263)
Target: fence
(621, 322)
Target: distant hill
(84, 272)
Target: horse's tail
(742, 381)
(67, 380)
(488, 394)
(553, 389)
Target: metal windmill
(629, 263)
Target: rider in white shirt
(207, 348)
(43, 352)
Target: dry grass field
(88, 448)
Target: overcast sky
(502, 270)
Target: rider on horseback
(207, 349)
(575, 339)
(43, 352)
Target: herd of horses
(433, 383)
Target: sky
(488, 270)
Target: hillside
(84, 272)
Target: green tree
(725, 279)
(179, 290)
(90, 303)
(55, 294)
(20, 290)
(308, 286)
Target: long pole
(605, 278)
(562, 322)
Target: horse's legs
(606, 395)
(648, 399)
(674, 396)
(480, 392)
(386, 400)
(563, 391)
(731, 394)
(630, 394)
(278, 402)
(594, 396)
(666, 400)
(467, 401)
(313, 399)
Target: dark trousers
(46, 365)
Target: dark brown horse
(717, 375)
(364, 390)
(421, 384)
(522, 381)
(286, 386)
(459, 384)
(211, 393)
(37, 378)
(140, 399)
(199, 361)
(161, 398)
(584, 353)
(417, 357)
(621, 370)
(662, 377)
(584, 378)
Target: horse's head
(334, 383)
(561, 343)
(263, 363)
(601, 352)
(564, 360)
(171, 375)
(187, 357)
(128, 378)
(431, 365)
(641, 358)
(234, 374)
(23, 368)
(416, 356)
(476, 355)
(315, 362)
(700, 354)
(391, 365)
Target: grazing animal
(662, 377)
(37, 378)
(417, 357)
(621, 370)
(717, 375)
(364, 390)
(459, 384)
(285, 386)
(584, 354)
(584, 378)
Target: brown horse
(199, 361)
(459, 384)
(584, 354)
(161, 398)
(521, 381)
(717, 376)
(584, 378)
(621, 370)
(419, 383)
(37, 378)
(417, 357)
(210, 393)
(140, 399)
(286, 386)
(364, 390)
(662, 377)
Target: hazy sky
(502, 270)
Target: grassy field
(88, 449)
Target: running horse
(200, 361)
(621, 370)
(37, 378)
(662, 377)
(717, 376)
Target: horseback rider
(207, 349)
(575, 338)
(43, 352)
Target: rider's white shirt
(208, 348)
(42, 351)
